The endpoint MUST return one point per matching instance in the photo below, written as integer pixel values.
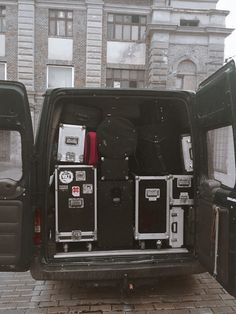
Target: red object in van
(90, 151)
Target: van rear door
(16, 149)
(214, 139)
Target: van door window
(221, 157)
(10, 155)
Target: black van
(130, 184)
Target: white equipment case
(71, 143)
(186, 144)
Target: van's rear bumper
(144, 270)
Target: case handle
(174, 227)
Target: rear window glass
(221, 157)
(10, 155)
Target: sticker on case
(75, 191)
(87, 188)
(72, 140)
(152, 194)
(184, 182)
(76, 203)
(80, 175)
(66, 176)
(63, 188)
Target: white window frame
(57, 19)
(2, 17)
(61, 66)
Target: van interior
(120, 181)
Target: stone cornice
(192, 30)
(194, 11)
(127, 9)
(161, 27)
(8, 2)
(222, 12)
(95, 2)
(219, 30)
(213, 1)
(72, 4)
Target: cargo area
(121, 177)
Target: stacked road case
(75, 188)
(151, 207)
(76, 203)
(181, 198)
(160, 202)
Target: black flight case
(75, 203)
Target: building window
(189, 22)
(186, 75)
(60, 76)
(60, 23)
(2, 19)
(126, 27)
(125, 78)
(3, 71)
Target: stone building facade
(125, 43)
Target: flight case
(152, 207)
(181, 190)
(71, 143)
(176, 227)
(75, 203)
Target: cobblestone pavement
(199, 294)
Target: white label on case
(76, 203)
(184, 196)
(152, 194)
(70, 156)
(71, 140)
(66, 177)
(63, 188)
(80, 175)
(87, 189)
(184, 182)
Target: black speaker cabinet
(115, 214)
(114, 169)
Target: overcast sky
(230, 43)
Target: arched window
(186, 75)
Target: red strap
(90, 151)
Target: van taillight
(37, 227)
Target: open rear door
(214, 143)
(16, 149)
